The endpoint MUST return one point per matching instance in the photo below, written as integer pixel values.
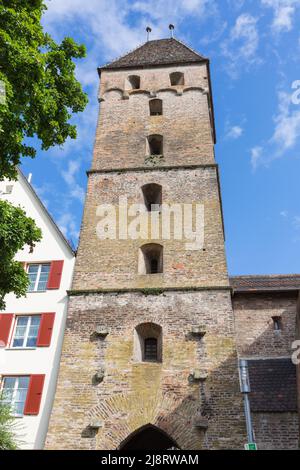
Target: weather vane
(171, 28)
(148, 29)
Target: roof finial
(148, 29)
(171, 28)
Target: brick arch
(194, 88)
(123, 414)
(162, 438)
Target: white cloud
(236, 4)
(284, 214)
(256, 153)
(286, 132)
(75, 190)
(68, 225)
(284, 13)
(296, 222)
(235, 132)
(105, 22)
(241, 48)
(287, 124)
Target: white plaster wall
(31, 430)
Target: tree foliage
(16, 230)
(7, 424)
(41, 88)
(41, 93)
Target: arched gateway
(148, 437)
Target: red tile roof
(265, 283)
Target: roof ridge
(122, 55)
(189, 47)
(155, 52)
(272, 276)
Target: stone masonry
(192, 292)
(107, 393)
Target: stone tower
(149, 357)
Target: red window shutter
(55, 274)
(34, 395)
(5, 326)
(45, 330)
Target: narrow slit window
(151, 259)
(152, 196)
(155, 107)
(148, 343)
(277, 323)
(155, 145)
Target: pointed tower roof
(157, 52)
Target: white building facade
(32, 327)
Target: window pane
(33, 331)
(151, 349)
(35, 320)
(33, 268)
(8, 389)
(20, 332)
(18, 342)
(20, 394)
(43, 280)
(9, 382)
(18, 408)
(23, 382)
(22, 321)
(32, 274)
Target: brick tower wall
(192, 291)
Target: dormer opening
(176, 78)
(133, 82)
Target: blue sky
(254, 47)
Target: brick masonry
(254, 324)
(182, 268)
(256, 338)
(134, 394)
(124, 121)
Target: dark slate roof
(273, 385)
(265, 283)
(158, 52)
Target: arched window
(176, 78)
(155, 144)
(152, 196)
(133, 82)
(151, 259)
(155, 107)
(148, 343)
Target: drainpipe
(245, 389)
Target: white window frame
(26, 332)
(15, 389)
(38, 275)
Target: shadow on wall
(194, 412)
(257, 317)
